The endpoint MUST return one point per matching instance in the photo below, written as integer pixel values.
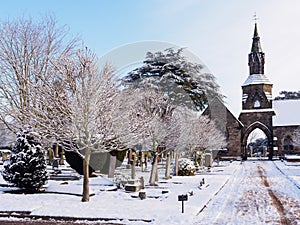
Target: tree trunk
(168, 166)
(153, 171)
(86, 188)
(133, 170)
(176, 164)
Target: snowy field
(255, 192)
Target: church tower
(257, 89)
(257, 109)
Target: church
(277, 119)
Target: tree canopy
(173, 74)
(285, 95)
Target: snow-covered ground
(255, 192)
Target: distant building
(277, 119)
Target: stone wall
(280, 133)
(233, 132)
(229, 125)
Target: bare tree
(48, 84)
(199, 132)
(27, 52)
(6, 137)
(158, 126)
(89, 101)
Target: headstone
(133, 186)
(208, 160)
(55, 164)
(142, 195)
(112, 166)
(142, 182)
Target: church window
(256, 103)
(288, 144)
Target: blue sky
(219, 32)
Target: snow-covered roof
(287, 112)
(256, 79)
(257, 110)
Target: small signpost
(182, 198)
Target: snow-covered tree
(28, 52)
(26, 167)
(258, 145)
(200, 133)
(159, 122)
(183, 81)
(285, 95)
(83, 109)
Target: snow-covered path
(257, 193)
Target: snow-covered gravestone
(26, 167)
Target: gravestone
(208, 160)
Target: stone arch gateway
(257, 110)
(249, 130)
(276, 119)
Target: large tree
(80, 109)
(29, 51)
(184, 81)
(158, 122)
(85, 111)
(49, 84)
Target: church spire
(256, 58)
(256, 47)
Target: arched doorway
(257, 144)
(261, 138)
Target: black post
(182, 198)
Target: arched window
(288, 144)
(256, 103)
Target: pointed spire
(256, 58)
(256, 47)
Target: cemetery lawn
(254, 192)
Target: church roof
(256, 79)
(287, 112)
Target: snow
(257, 193)
(223, 198)
(256, 110)
(287, 112)
(256, 79)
